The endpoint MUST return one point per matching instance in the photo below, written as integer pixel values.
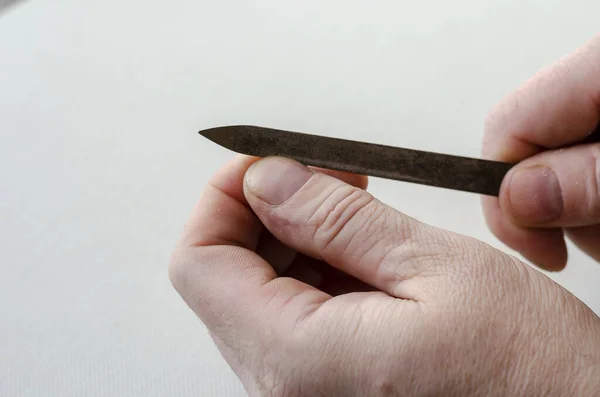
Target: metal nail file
(407, 165)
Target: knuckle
(495, 125)
(345, 211)
(185, 273)
(489, 124)
(488, 129)
(187, 279)
(497, 277)
(495, 120)
(178, 270)
(431, 253)
(423, 251)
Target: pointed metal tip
(210, 133)
(224, 136)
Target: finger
(346, 227)
(587, 239)
(281, 256)
(215, 271)
(556, 189)
(545, 248)
(223, 211)
(558, 107)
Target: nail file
(407, 165)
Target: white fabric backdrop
(100, 162)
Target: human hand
(553, 192)
(367, 301)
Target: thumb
(346, 227)
(555, 189)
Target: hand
(312, 287)
(552, 192)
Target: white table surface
(100, 162)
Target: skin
(310, 286)
(557, 108)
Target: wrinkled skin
(310, 286)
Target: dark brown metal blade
(425, 168)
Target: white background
(100, 162)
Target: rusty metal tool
(426, 168)
(440, 170)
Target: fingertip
(555, 263)
(545, 248)
(274, 180)
(279, 178)
(554, 189)
(550, 253)
(230, 177)
(532, 195)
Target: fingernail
(275, 180)
(535, 196)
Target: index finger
(559, 106)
